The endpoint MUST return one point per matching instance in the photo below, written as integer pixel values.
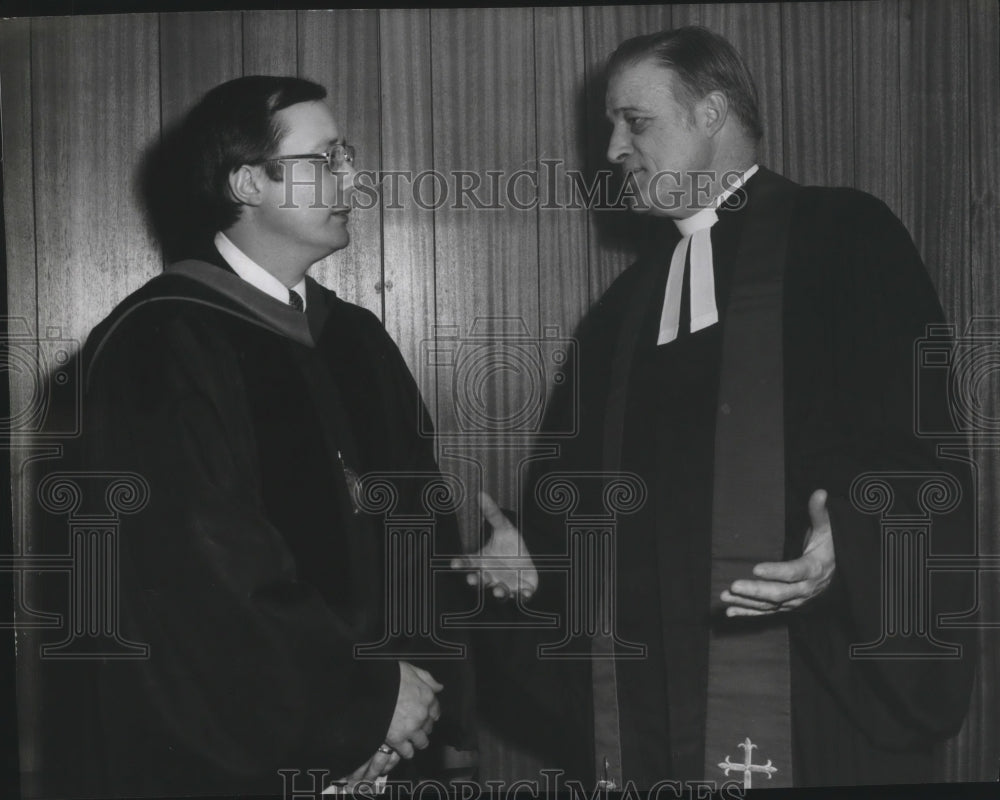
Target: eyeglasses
(336, 157)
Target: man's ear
(245, 185)
(713, 109)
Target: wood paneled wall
(899, 98)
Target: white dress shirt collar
(254, 274)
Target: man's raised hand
(786, 585)
(503, 564)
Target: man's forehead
(645, 85)
(309, 125)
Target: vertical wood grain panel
(818, 96)
(18, 173)
(92, 244)
(18, 195)
(754, 29)
(935, 113)
(560, 100)
(877, 133)
(270, 43)
(95, 107)
(972, 756)
(487, 260)
(560, 283)
(908, 185)
(198, 51)
(608, 26)
(613, 234)
(19, 228)
(984, 134)
(340, 49)
(408, 229)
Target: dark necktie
(294, 300)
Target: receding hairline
(682, 97)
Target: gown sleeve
(878, 302)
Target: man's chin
(647, 209)
(639, 205)
(339, 243)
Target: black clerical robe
(856, 299)
(251, 574)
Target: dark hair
(232, 125)
(703, 62)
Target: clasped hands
(504, 565)
(417, 709)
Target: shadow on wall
(56, 697)
(165, 182)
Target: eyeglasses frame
(347, 151)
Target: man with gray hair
(749, 367)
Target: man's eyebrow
(326, 144)
(611, 112)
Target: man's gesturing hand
(416, 712)
(786, 585)
(504, 563)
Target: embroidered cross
(607, 785)
(747, 766)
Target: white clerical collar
(695, 234)
(736, 184)
(254, 274)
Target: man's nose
(347, 174)
(344, 180)
(619, 145)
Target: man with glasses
(250, 398)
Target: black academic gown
(856, 299)
(249, 573)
